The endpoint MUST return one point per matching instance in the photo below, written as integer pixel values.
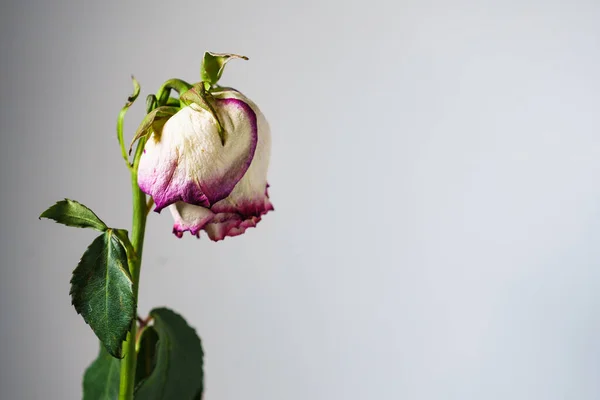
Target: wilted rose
(211, 181)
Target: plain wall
(435, 173)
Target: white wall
(435, 174)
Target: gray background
(435, 174)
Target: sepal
(214, 64)
(198, 96)
(153, 122)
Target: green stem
(140, 212)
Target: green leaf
(178, 373)
(71, 213)
(146, 356)
(101, 379)
(102, 291)
(123, 236)
(153, 122)
(214, 64)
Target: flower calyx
(153, 122)
(213, 65)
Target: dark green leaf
(153, 122)
(102, 291)
(101, 379)
(146, 357)
(123, 236)
(178, 373)
(214, 64)
(72, 213)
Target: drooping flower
(210, 180)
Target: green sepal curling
(102, 291)
(214, 64)
(195, 95)
(121, 118)
(72, 213)
(101, 378)
(200, 97)
(178, 361)
(153, 122)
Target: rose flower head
(207, 160)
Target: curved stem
(140, 212)
(178, 85)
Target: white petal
(187, 161)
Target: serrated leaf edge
(127, 274)
(83, 219)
